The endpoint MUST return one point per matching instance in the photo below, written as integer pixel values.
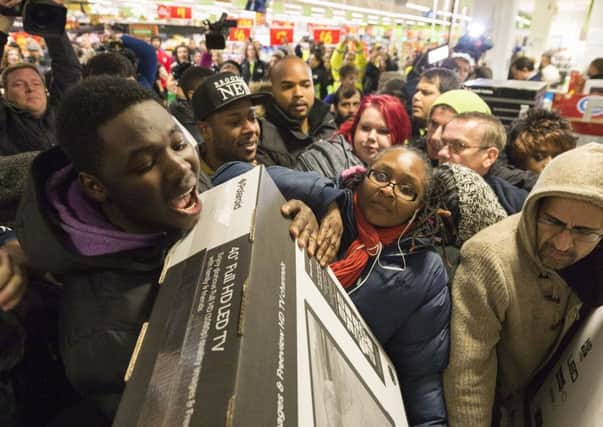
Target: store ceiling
(527, 6)
(377, 11)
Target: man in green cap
(444, 109)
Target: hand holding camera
(40, 17)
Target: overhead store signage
(239, 34)
(281, 32)
(327, 35)
(174, 12)
(280, 35)
(243, 30)
(244, 23)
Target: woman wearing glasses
(388, 264)
(380, 122)
(390, 268)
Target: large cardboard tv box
(248, 331)
(572, 395)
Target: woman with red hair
(380, 122)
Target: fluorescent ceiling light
(365, 10)
(418, 7)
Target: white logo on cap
(230, 87)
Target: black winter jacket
(282, 139)
(321, 77)
(20, 132)
(329, 158)
(370, 81)
(105, 298)
(510, 197)
(259, 71)
(502, 168)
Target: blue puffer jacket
(407, 309)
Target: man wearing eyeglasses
(475, 140)
(521, 285)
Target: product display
(508, 98)
(248, 331)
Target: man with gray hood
(520, 286)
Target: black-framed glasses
(458, 147)
(579, 234)
(401, 191)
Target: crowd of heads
(430, 171)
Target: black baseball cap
(220, 90)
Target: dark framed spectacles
(401, 191)
(579, 234)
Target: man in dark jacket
(294, 119)
(12, 334)
(27, 113)
(101, 214)
(475, 140)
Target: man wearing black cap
(225, 114)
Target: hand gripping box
(572, 394)
(248, 331)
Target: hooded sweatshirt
(510, 312)
(106, 295)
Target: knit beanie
(469, 198)
(461, 101)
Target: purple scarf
(83, 221)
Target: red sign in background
(326, 35)
(239, 34)
(280, 35)
(174, 12)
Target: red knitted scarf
(348, 269)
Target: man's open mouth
(187, 203)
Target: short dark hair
(192, 77)
(155, 38)
(345, 93)
(109, 64)
(445, 79)
(86, 107)
(539, 130)
(396, 87)
(346, 70)
(597, 64)
(523, 62)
